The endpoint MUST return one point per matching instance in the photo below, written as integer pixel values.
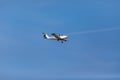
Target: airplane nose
(66, 36)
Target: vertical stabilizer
(45, 36)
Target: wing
(56, 36)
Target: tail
(45, 36)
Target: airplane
(54, 36)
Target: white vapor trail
(94, 31)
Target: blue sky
(24, 54)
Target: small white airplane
(54, 36)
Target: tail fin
(45, 36)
